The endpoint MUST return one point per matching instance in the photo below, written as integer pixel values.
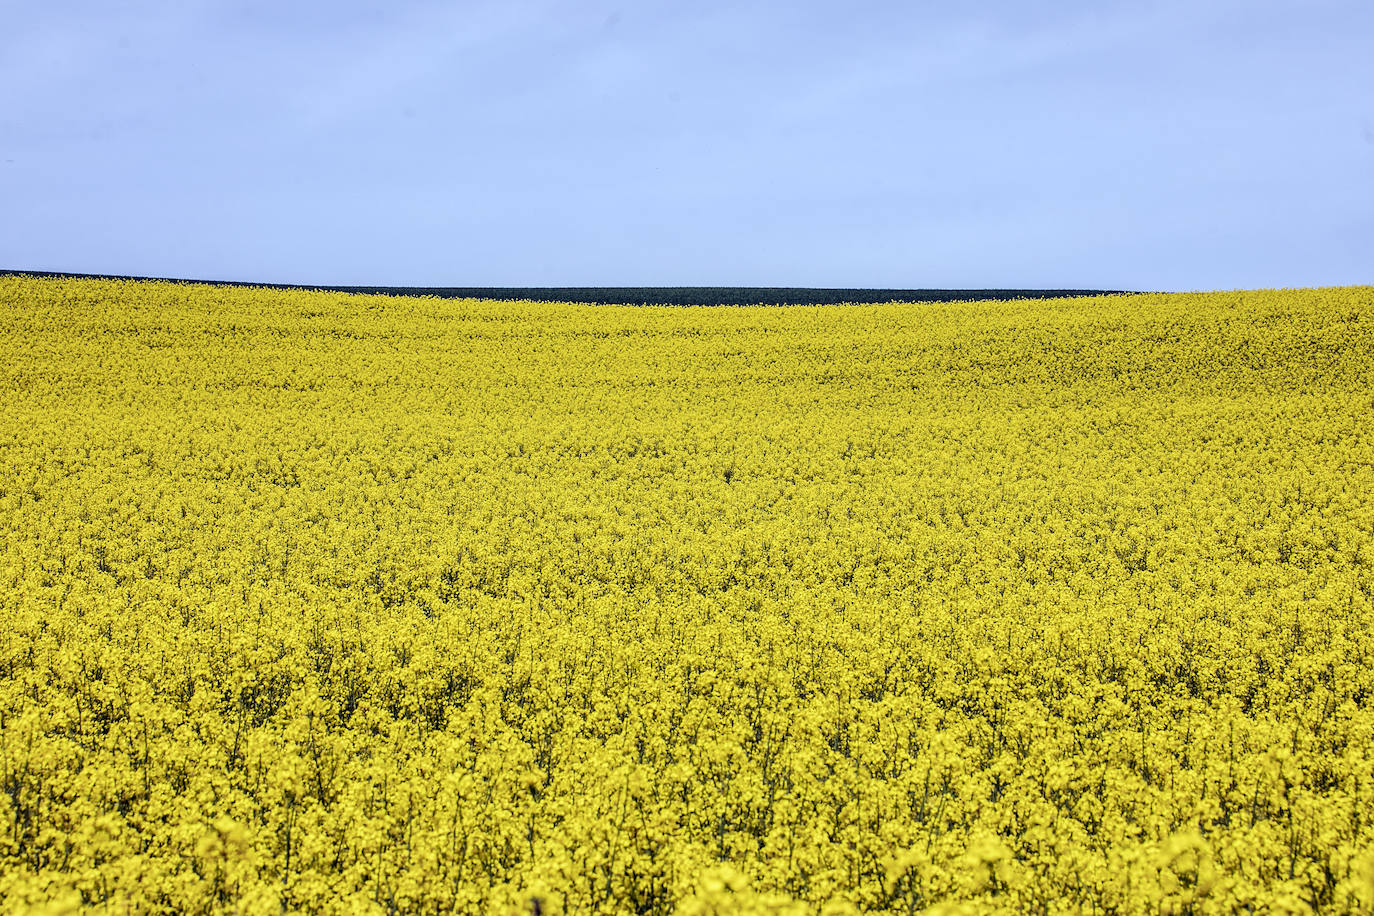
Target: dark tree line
(642, 295)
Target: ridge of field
(635, 295)
(326, 603)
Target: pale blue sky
(1145, 145)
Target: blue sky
(1153, 145)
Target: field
(352, 604)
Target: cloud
(890, 144)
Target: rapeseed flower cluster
(350, 604)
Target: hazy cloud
(1141, 144)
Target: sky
(1170, 145)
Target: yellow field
(351, 604)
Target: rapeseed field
(344, 604)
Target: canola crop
(345, 604)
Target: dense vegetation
(660, 295)
(363, 604)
